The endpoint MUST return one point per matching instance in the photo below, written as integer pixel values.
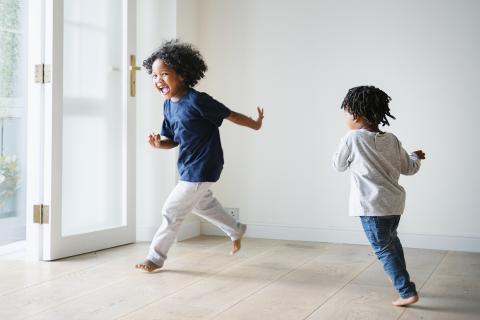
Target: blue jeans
(382, 235)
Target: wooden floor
(267, 280)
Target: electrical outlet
(234, 212)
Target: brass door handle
(133, 68)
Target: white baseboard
(189, 229)
(409, 240)
(440, 242)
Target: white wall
(297, 59)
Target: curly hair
(368, 102)
(184, 58)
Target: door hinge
(42, 73)
(40, 214)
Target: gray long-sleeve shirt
(376, 161)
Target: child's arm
(342, 157)
(245, 121)
(155, 141)
(411, 162)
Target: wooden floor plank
(452, 292)
(267, 279)
(138, 289)
(212, 295)
(301, 291)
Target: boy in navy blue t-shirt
(191, 121)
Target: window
(12, 119)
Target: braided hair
(368, 102)
(184, 58)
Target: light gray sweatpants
(189, 197)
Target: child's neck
(180, 95)
(371, 128)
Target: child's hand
(420, 154)
(259, 118)
(154, 140)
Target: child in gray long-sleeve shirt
(376, 159)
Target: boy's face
(167, 81)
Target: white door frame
(44, 146)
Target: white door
(81, 126)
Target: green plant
(9, 178)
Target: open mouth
(165, 90)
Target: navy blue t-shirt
(193, 123)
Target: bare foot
(148, 266)
(237, 244)
(402, 302)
